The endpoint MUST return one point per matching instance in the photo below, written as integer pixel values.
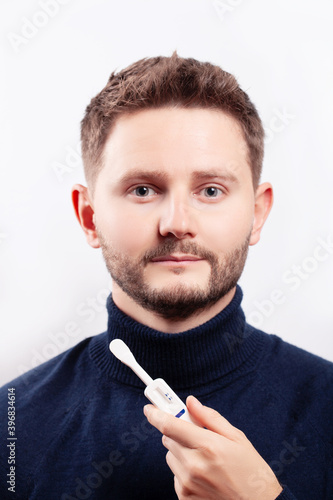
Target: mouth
(177, 258)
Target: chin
(170, 284)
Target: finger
(174, 464)
(177, 486)
(185, 433)
(181, 476)
(189, 482)
(212, 420)
(177, 449)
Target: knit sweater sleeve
(286, 495)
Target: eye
(143, 191)
(212, 192)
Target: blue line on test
(180, 413)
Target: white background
(53, 285)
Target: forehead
(176, 141)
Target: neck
(151, 319)
(224, 347)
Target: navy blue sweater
(81, 432)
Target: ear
(262, 207)
(85, 213)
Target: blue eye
(212, 192)
(143, 191)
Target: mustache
(185, 247)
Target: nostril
(176, 219)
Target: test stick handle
(141, 373)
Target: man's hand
(215, 463)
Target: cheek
(228, 230)
(129, 233)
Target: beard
(176, 302)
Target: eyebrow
(214, 174)
(156, 176)
(143, 175)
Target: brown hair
(168, 81)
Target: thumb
(211, 419)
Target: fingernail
(146, 410)
(196, 401)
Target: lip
(177, 258)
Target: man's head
(168, 82)
(173, 199)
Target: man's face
(174, 207)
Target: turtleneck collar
(184, 360)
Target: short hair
(173, 81)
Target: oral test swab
(157, 391)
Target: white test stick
(157, 391)
(123, 353)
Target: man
(172, 150)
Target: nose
(177, 218)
